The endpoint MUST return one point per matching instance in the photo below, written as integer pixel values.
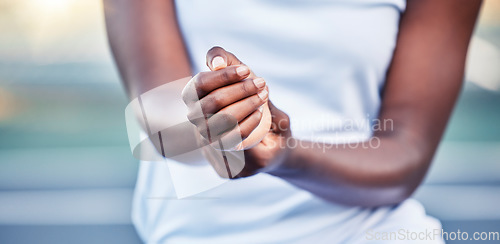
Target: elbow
(389, 195)
(401, 177)
(407, 178)
(401, 193)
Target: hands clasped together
(231, 104)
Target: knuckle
(210, 104)
(192, 116)
(203, 132)
(227, 120)
(184, 94)
(204, 104)
(247, 87)
(216, 101)
(201, 82)
(224, 75)
(186, 98)
(188, 94)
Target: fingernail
(242, 70)
(218, 63)
(262, 94)
(259, 82)
(261, 109)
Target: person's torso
(325, 63)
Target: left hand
(228, 98)
(270, 153)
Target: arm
(146, 43)
(422, 86)
(149, 51)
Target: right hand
(223, 99)
(228, 96)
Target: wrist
(286, 161)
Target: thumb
(218, 58)
(280, 121)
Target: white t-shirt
(325, 63)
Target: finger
(213, 128)
(241, 109)
(218, 63)
(225, 96)
(249, 124)
(232, 138)
(218, 58)
(206, 82)
(236, 112)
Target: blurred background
(66, 171)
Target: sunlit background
(66, 172)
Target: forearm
(146, 42)
(422, 85)
(361, 174)
(149, 51)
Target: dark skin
(422, 86)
